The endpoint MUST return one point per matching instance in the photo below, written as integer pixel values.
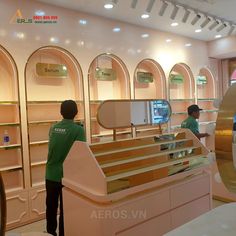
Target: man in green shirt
(61, 137)
(191, 123)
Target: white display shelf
(179, 113)
(108, 133)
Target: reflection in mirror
(113, 114)
(225, 139)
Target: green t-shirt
(61, 137)
(192, 124)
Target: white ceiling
(122, 11)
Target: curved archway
(108, 78)
(52, 75)
(155, 89)
(181, 92)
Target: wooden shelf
(9, 102)
(213, 110)
(150, 168)
(206, 99)
(182, 100)
(39, 143)
(180, 113)
(158, 143)
(39, 163)
(41, 122)
(109, 133)
(206, 122)
(49, 102)
(11, 146)
(10, 124)
(11, 168)
(39, 184)
(96, 101)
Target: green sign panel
(176, 79)
(105, 74)
(145, 77)
(201, 80)
(51, 70)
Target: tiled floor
(39, 226)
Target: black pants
(54, 194)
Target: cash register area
(133, 68)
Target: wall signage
(105, 74)
(51, 70)
(201, 79)
(176, 79)
(144, 77)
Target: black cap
(193, 108)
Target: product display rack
(149, 83)
(11, 164)
(166, 175)
(181, 93)
(107, 87)
(206, 94)
(44, 111)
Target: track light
(205, 22)
(163, 8)
(150, 5)
(174, 12)
(196, 19)
(186, 15)
(213, 25)
(221, 27)
(232, 28)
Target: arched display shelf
(206, 94)
(11, 164)
(52, 75)
(149, 83)
(181, 93)
(108, 78)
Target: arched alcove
(108, 78)
(181, 92)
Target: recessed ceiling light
(174, 24)
(145, 16)
(108, 6)
(116, 29)
(19, 35)
(39, 13)
(168, 40)
(218, 36)
(67, 41)
(188, 45)
(145, 35)
(54, 40)
(198, 30)
(82, 21)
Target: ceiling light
(19, 35)
(186, 15)
(108, 6)
(213, 25)
(54, 40)
(145, 35)
(218, 36)
(174, 24)
(188, 45)
(174, 12)
(67, 41)
(221, 27)
(198, 30)
(232, 28)
(163, 8)
(196, 19)
(205, 22)
(82, 22)
(145, 16)
(168, 40)
(150, 5)
(116, 29)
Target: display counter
(139, 186)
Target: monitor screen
(160, 111)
